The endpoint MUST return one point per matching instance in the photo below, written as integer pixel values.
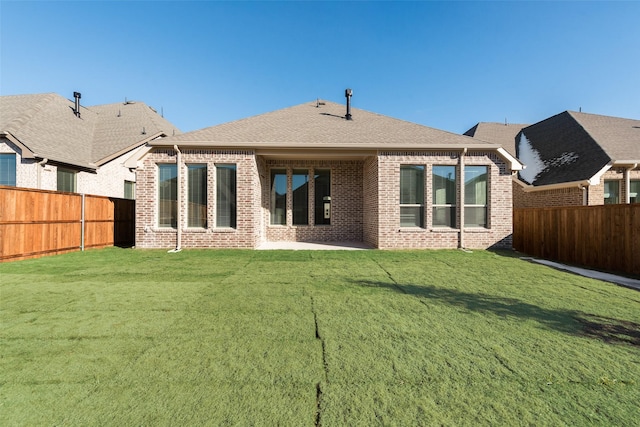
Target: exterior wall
(346, 203)
(572, 196)
(618, 174)
(107, 181)
(247, 232)
(370, 202)
(26, 169)
(499, 228)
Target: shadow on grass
(573, 322)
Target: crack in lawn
(324, 363)
(398, 286)
(393, 281)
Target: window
(322, 187)
(300, 190)
(444, 196)
(411, 196)
(8, 169)
(129, 190)
(611, 192)
(167, 195)
(66, 180)
(226, 211)
(278, 197)
(197, 196)
(634, 191)
(475, 196)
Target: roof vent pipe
(76, 109)
(348, 93)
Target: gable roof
(321, 125)
(497, 133)
(45, 126)
(572, 146)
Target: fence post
(82, 225)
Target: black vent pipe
(348, 93)
(76, 110)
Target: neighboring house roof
(321, 125)
(45, 126)
(571, 146)
(497, 133)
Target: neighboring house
(313, 173)
(575, 158)
(51, 143)
(497, 133)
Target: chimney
(348, 93)
(76, 110)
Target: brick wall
(391, 235)
(572, 196)
(346, 203)
(370, 202)
(245, 235)
(365, 202)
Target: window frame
(11, 169)
(61, 186)
(275, 198)
(634, 183)
(412, 196)
(616, 198)
(173, 202)
(196, 218)
(231, 191)
(321, 189)
(300, 205)
(129, 189)
(451, 208)
(485, 206)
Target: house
(321, 172)
(49, 142)
(575, 158)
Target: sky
(447, 65)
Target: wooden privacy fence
(600, 237)
(35, 223)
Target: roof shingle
(323, 125)
(46, 125)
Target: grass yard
(333, 338)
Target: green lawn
(332, 338)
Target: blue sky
(446, 65)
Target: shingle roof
(576, 146)
(125, 126)
(497, 133)
(618, 137)
(323, 125)
(46, 125)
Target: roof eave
(515, 164)
(631, 164)
(129, 148)
(324, 145)
(26, 152)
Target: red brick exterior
(365, 202)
